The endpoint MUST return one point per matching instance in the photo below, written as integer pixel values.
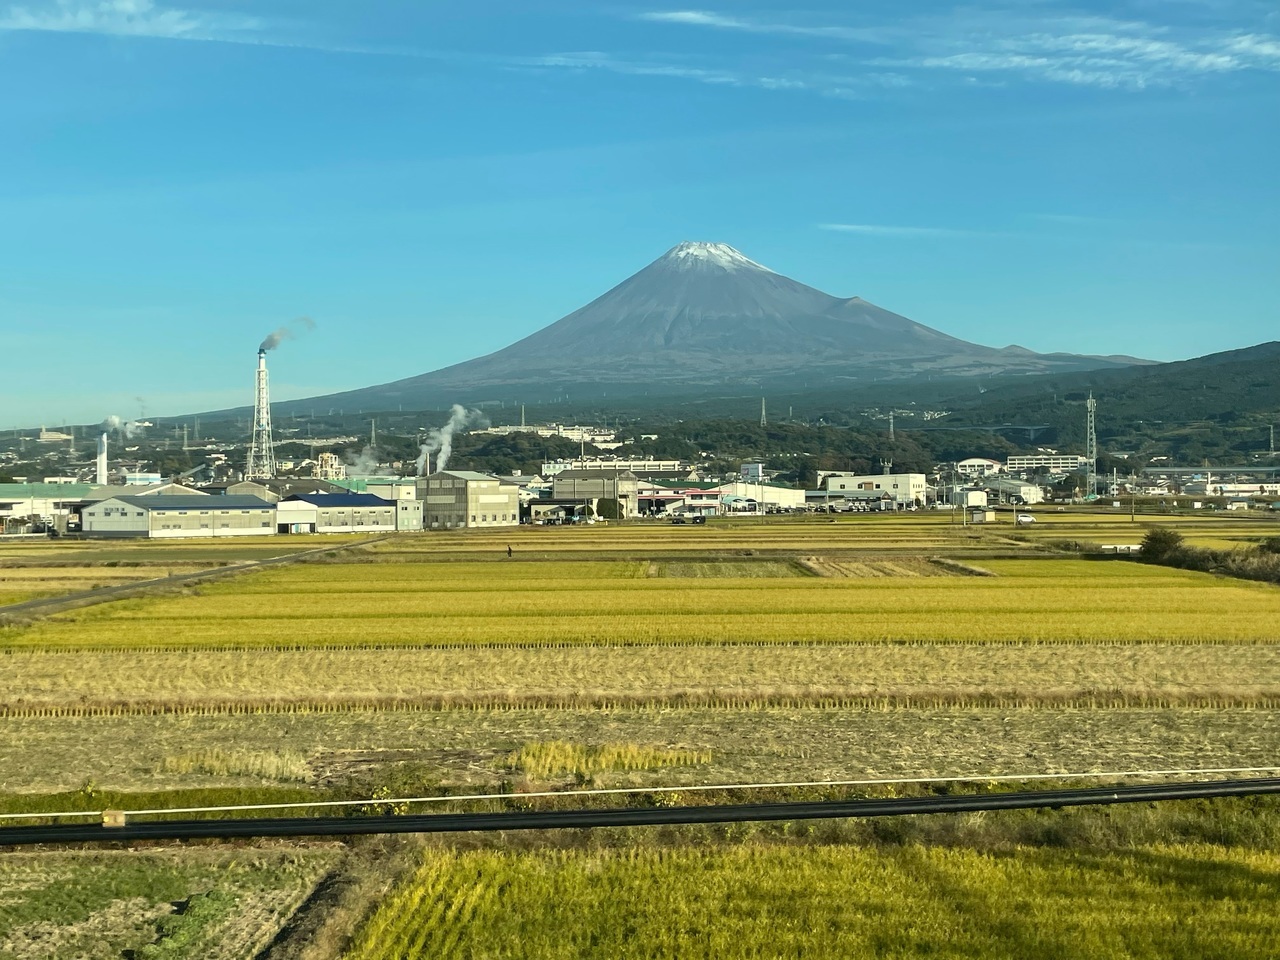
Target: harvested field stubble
(458, 747)
(33, 681)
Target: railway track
(231, 828)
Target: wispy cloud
(864, 56)
(1075, 219)
(885, 230)
(1033, 43)
(128, 18)
(703, 18)
(824, 84)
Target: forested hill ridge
(1206, 407)
(1217, 386)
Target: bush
(1160, 543)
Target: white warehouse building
(978, 467)
(179, 516)
(1047, 462)
(906, 489)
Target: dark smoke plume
(287, 332)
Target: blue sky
(430, 181)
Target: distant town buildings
(599, 437)
(637, 466)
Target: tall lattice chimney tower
(1091, 446)
(262, 458)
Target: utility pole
(890, 424)
(764, 421)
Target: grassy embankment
(213, 904)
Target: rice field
(434, 604)
(645, 655)
(834, 901)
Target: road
(87, 598)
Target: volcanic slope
(705, 315)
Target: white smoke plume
(440, 442)
(364, 464)
(286, 332)
(127, 428)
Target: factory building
(710, 499)
(906, 489)
(26, 505)
(179, 516)
(588, 487)
(336, 513)
(273, 490)
(463, 499)
(1007, 490)
(1046, 463)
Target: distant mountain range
(701, 318)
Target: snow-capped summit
(692, 252)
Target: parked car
(1025, 518)
(698, 518)
(679, 520)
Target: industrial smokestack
(102, 460)
(262, 457)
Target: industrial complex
(263, 495)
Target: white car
(1025, 518)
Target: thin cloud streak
(840, 87)
(885, 230)
(703, 18)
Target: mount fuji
(704, 316)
